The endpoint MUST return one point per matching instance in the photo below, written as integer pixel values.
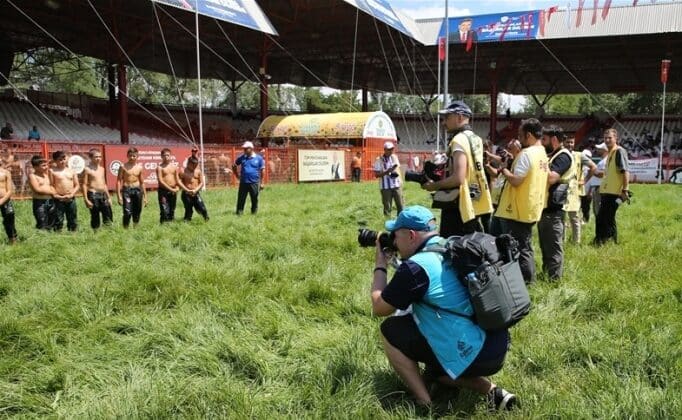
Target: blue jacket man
(250, 177)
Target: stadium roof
(316, 46)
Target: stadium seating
(23, 116)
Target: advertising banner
(643, 170)
(240, 12)
(512, 26)
(321, 165)
(149, 157)
(381, 10)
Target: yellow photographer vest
(612, 183)
(566, 177)
(524, 203)
(575, 190)
(474, 194)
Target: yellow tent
(342, 125)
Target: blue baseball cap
(414, 218)
(457, 107)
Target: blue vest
(455, 340)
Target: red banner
(665, 69)
(441, 48)
(149, 157)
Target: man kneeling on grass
(456, 351)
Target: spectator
(34, 134)
(250, 177)
(387, 169)
(7, 132)
(455, 350)
(356, 167)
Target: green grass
(269, 316)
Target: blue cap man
(416, 218)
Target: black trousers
(7, 210)
(605, 227)
(132, 205)
(68, 209)
(192, 202)
(44, 212)
(523, 233)
(100, 207)
(356, 174)
(252, 190)
(451, 223)
(585, 201)
(167, 203)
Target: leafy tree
(53, 70)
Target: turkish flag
(441, 48)
(665, 69)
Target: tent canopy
(342, 125)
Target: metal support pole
(201, 122)
(660, 152)
(123, 103)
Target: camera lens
(367, 238)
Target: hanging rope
(175, 79)
(592, 96)
(88, 67)
(36, 107)
(390, 74)
(121, 49)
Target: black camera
(368, 238)
(432, 171)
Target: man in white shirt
(387, 169)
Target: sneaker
(500, 399)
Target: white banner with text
(321, 165)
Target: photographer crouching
(439, 331)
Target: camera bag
(488, 268)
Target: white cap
(389, 145)
(601, 146)
(587, 153)
(247, 145)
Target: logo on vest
(464, 349)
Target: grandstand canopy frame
(320, 36)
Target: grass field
(268, 316)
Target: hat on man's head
(601, 146)
(457, 107)
(414, 218)
(389, 145)
(247, 145)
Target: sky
(419, 9)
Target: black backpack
(488, 268)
